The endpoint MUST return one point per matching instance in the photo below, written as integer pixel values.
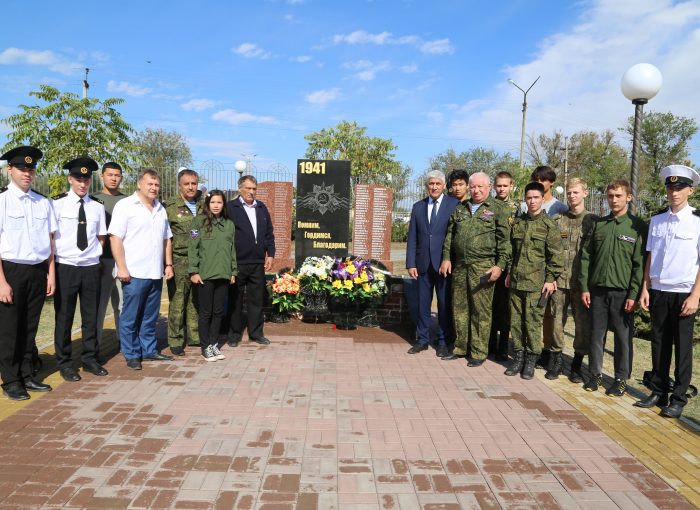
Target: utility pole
(566, 161)
(86, 85)
(522, 132)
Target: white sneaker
(208, 354)
(217, 352)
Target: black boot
(554, 367)
(529, 368)
(517, 364)
(575, 376)
(542, 360)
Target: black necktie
(82, 227)
(433, 213)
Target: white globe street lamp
(639, 84)
(240, 166)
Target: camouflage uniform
(500, 325)
(537, 259)
(475, 243)
(182, 312)
(574, 230)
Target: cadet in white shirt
(671, 290)
(27, 224)
(141, 242)
(81, 233)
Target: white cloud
(251, 50)
(231, 116)
(362, 37)
(321, 97)
(367, 70)
(127, 88)
(221, 148)
(302, 59)
(437, 47)
(45, 58)
(581, 68)
(410, 68)
(198, 105)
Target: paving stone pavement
(320, 419)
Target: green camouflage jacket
(483, 236)
(574, 230)
(180, 219)
(537, 252)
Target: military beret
(23, 157)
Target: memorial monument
(277, 196)
(371, 232)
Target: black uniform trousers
(71, 282)
(669, 330)
(608, 311)
(20, 320)
(211, 296)
(251, 277)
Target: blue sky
(253, 78)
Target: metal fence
(216, 175)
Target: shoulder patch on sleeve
(57, 197)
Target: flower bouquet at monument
(354, 282)
(314, 282)
(285, 296)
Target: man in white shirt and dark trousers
(671, 290)
(27, 273)
(81, 233)
(141, 242)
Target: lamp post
(240, 166)
(522, 131)
(639, 84)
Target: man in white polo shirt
(671, 290)
(141, 241)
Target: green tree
(664, 141)
(163, 149)
(595, 157)
(372, 158)
(65, 126)
(477, 159)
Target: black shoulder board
(696, 212)
(58, 197)
(661, 211)
(98, 200)
(3, 189)
(40, 194)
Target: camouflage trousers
(183, 310)
(471, 307)
(560, 301)
(526, 321)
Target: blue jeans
(137, 323)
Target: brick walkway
(320, 419)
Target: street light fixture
(240, 166)
(522, 132)
(639, 84)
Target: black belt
(39, 265)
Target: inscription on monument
(371, 234)
(277, 196)
(323, 209)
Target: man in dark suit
(255, 250)
(426, 233)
